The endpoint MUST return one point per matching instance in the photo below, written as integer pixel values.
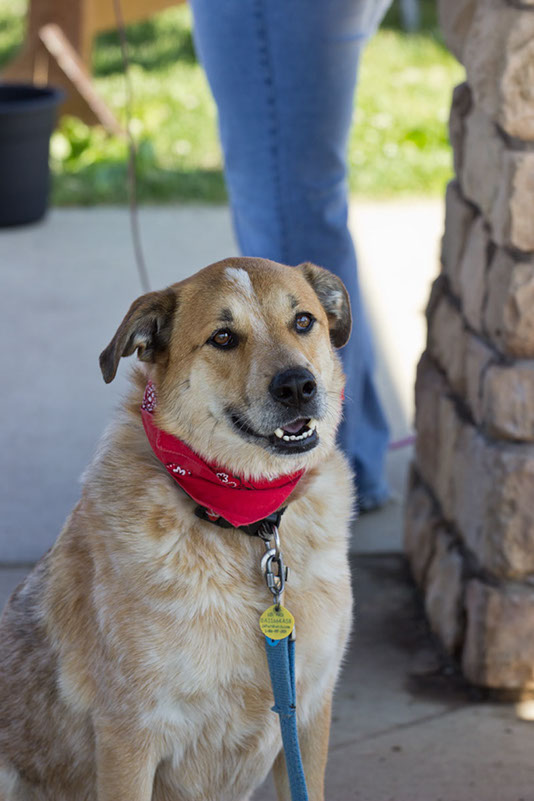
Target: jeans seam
(273, 122)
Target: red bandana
(235, 499)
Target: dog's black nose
(293, 387)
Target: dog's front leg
(314, 748)
(125, 763)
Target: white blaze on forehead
(245, 302)
(241, 279)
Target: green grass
(399, 142)
(11, 27)
(398, 145)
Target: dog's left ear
(334, 299)
(146, 329)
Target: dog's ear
(146, 328)
(334, 299)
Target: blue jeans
(283, 74)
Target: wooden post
(57, 50)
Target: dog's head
(242, 357)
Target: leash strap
(281, 661)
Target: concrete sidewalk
(405, 726)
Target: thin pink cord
(402, 443)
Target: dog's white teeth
(311, 426)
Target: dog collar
(225, 499)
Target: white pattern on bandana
(149, 399)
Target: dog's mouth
(297, 436)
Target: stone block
(468, 487)
(508, 316)
(511, 216)
(472, 276)
(449, 432)
(438, 288)
(499, 181)
(460, 108)
(429, 387)
(463, 357)
(459, 215)
(431, 392)
(454, 20)
(420, 522)
(482, 161)
(499, 642)
(516, 111)
(498, 55)
(508, 401)
(447, 342)
(444, 591)
(478, 357)
(499, 397)
(437, 427)
(492, 492)
(484, 487)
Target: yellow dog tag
(277, 622)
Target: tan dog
(132, 666)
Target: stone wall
(469, 527)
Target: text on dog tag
(277, 622)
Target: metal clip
(269, 532)
(273, 557)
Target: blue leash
(281, 661)
(280, 652)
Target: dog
(132, 665)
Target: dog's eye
(223, 339)
(304, 322)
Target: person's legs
(283, 74)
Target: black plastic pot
(27, 118)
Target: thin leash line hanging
(132, 153)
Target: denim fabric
(283, 74)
